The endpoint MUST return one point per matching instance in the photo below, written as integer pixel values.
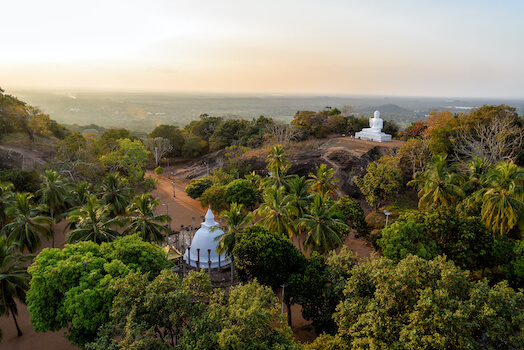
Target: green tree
(354, 216)
(439, 186)
(235, 220)
(148, 225)
(276, 211)
(53, 193)
(214, 196)
(129, 159)
(27, 223)
(502, 198)
(71, 288)
(197, 186)
(253, 321)
(319, 288)
(204, 128)
(173, 134)
(300, 199)
(269, 257)
(22, 180)
(323, 231)
(466, 241)
(277, 164)
(14, 279)
(242, 192)
(91, 223)
(79, 195)
(116, 193)
(228, 132)
(380, 182)
(193, 147)
(323, 181)
(419, 304)
(173, 313)
(6, 200)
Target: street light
(283, 288)
(207, 167)
(173, 183)
(387, 213)
(156, 156)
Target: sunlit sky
(466, 48)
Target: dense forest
(448, 271)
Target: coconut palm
(116, 193)
(235, 220)
(502, 197)
(276, 211)
(300, 198)
(278, 164)
(6, 200)
(27, 223)
(53, 193)
(14, 279)
(323, 181)
(91, 223)
(145, 221)
(79, 195)
(323, 231)
(439, 185)
(477, 171)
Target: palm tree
(502, 198)
(6, 200)
(439, 185)
(300, 198)
(27, 223)
(91, 223)
(276, 211)
(79, 195)
(323, 181)
(146, 222)
(235, 220)
(53, 193)
(116, 193)
(477, 169)
(323, 230)
(14, 279)
(278, 164)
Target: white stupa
(374, 133)
(204, 240)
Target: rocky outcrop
(348, 159)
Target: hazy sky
(456, 48)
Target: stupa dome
(204, 240)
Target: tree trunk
(16, 323)
(288, 305)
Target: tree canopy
(71, 287)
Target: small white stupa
(205, 245)
(374, 133)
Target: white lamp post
(387, 213)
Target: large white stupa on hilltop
(374, 132)
(205, 245)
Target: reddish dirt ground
(181, 209)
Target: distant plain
(144, 111)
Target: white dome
(204, 240)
